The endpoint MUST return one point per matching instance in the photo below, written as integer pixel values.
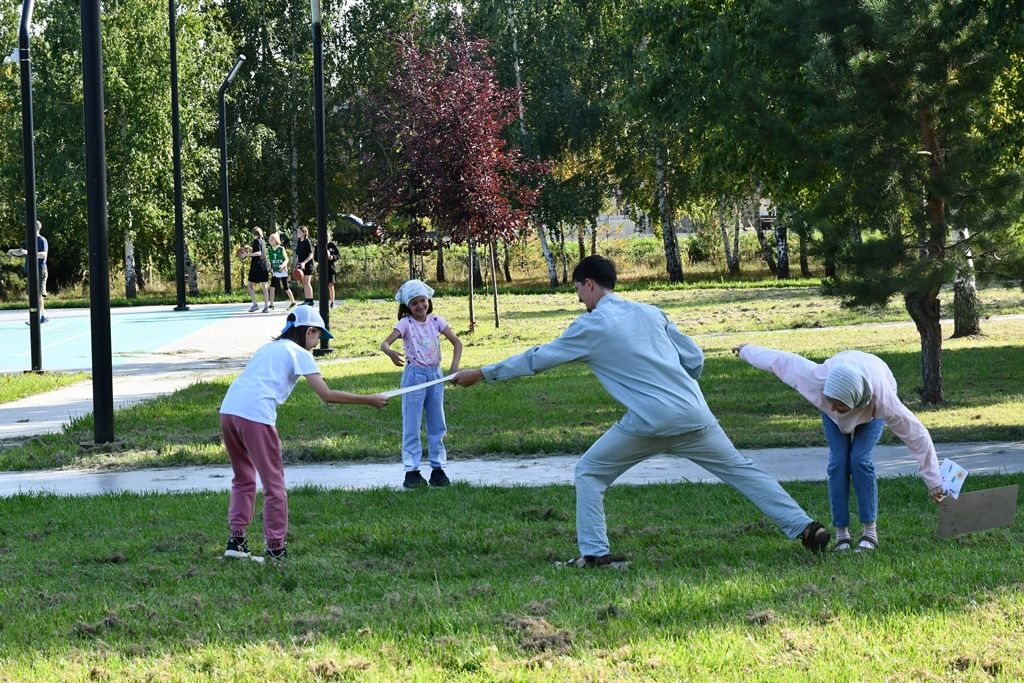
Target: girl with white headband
(856, 394)
(419, 329)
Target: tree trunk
(190, 273)
(548, 258)
(732, 255)
(471, 252)
(441, 275)
(766, 249)
(593, 236)
(782, 248)
(581, 243)
(924, 310)
(966, 321)
(924, 305)
(494, 285)
(805, 270)
(293, 172)
(130, 290)
(668, 229)
(140, 273)
(506, 261)
(129, 265)
(478, 278)
(565, 256)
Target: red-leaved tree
(439, 153)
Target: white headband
(412, 289)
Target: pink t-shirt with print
(421, 339)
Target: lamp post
(179, 227)
(225, 211)
(321, 201)
(96, 192)
(28, 153)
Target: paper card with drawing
(952, 478)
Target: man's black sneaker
(237, 547)
(414, 480)
(277, 553)
(815, 537)
(596, 562)
(438, 477)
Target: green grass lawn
(14, 386)
(459, 584)
(983, 379)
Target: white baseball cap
(309, 316)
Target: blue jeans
(414, 404)
(617, 451)
(849, 457)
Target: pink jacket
(808, 378)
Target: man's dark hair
(597, 268)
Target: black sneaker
(414, 480)
(596, 562)
(815, 537)
(237, 547)
(277, 553)
(438, 477)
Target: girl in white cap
(247, 419)
(419, 329)
(856, 394)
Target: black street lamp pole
(321, 187)
(179, 228)
(28, 154)
(225, 211)
(99, 246)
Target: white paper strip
(406, 390)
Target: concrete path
(785, 464)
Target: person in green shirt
(279, 270)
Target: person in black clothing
(304, 262)
(332, 272)
(259, 270)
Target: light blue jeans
(616, 451)
(414, 405)
(849, 457)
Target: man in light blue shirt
(645, 363)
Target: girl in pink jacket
(856, 394)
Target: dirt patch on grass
(536, 634)
(991, 667)
(107, 623)
(329, 670)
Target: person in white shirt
(248, 416)
(856, 394)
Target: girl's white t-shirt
(268, 380)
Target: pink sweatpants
(255, 448)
